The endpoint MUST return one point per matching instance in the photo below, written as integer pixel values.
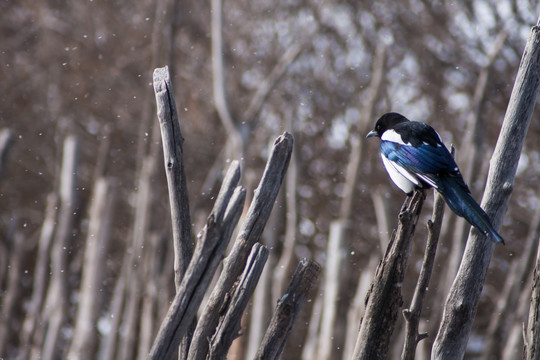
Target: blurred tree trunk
(41, 279)
(135, 277)
(13, 289)
(6, 140)
(310, 346)
(338, 228)
(236, 145)
(55, 309)
(514, 341)
(149, 314)
(85, 338)
(110, 343)
(358, 306)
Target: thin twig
(412, 315)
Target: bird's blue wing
(426, 162)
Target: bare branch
(207, 256)
(174, 168)
(287, 310)
(384, 297)
(471, 156)
(412, 315)
(287, 260)
(229, 327)
(463, 299)
(249, 234)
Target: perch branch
(384, 297)
(412, 315)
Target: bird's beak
(372, 133)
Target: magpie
(416, 158)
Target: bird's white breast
(401, 177)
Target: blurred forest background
(323, 70)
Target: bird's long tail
(461, 202)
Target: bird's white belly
(402, 182)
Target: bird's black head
(385, 122)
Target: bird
(415, 157)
